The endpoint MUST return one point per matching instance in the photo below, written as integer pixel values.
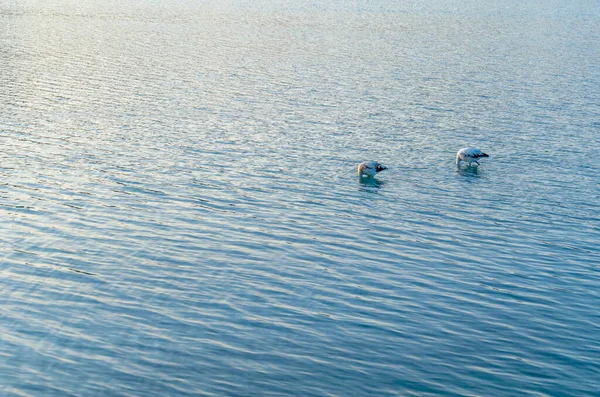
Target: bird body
(370, 168)
(469, 155)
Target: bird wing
(371, 164)
(473, 152)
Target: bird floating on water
(470, 155)
(370, 168)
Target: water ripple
(181, 212)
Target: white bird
(370, 168)
(470, 155)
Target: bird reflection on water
(370, 184)
(469, 171)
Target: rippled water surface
(181, 216)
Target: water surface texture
(181, 216)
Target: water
(181, 214)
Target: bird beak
(381, 168)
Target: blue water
(181, 216)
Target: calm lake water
(181, 216)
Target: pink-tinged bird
(370, 168)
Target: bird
(470, 155)
(370, 168)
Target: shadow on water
(469, 171)
(370, 184)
